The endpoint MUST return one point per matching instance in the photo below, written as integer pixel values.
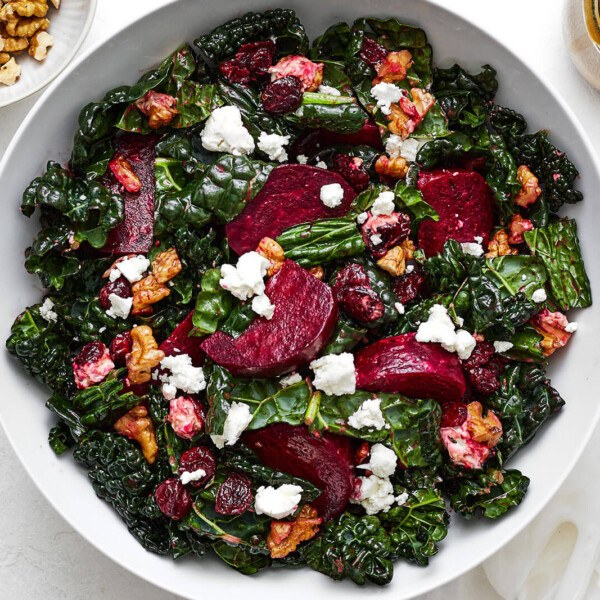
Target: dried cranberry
(173, 499)
(361, 303)
(250, 63)
(121, 287)
(390, 228)
(283, 95)
(198, 458)
(234, 495)
(90, 353)
(454, 414)
(372, 52)
(120, 347)
(351, 275)
(352, 170)
(496, 365)
(481, 354)
(483, 380)
(408, 286)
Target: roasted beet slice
(464, 203)
(327, 461)
(180, 342)
(404, 366)
(134, 234)
(292, 195)
(305, 315)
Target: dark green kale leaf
(557, 245)
(121, 476)
(60, 438)
(185, 145)
(491, 492)
(410, 200)
(523, 402)
(213, 304)
(241, 558)
(320, 242)
(354, 547)
(345, 338)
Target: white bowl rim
(67, 61)
(504, 537)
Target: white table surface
(556, 557)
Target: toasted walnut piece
(422, 101)
(13, 44)
(394, 67)
(285, 536)
(394, 168)
(499, 246)
(166, 265)
(26, 27)
(399, 122)
(39, 44)
(273, 252)
(486, 430)
(407, 115)
(409, 248)
(147, 291)
(144, 355)
(530, 190)
(4, 58)
(10, 72)
(317, 272)
(136, 425)
(551, 325)
(393, 261)
(518, 226)
(29, 8)
(56, 3)
(159, 107)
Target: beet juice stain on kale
(299, 297)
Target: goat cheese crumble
(368, 415)
(382, 462)
(571, 327)
(362, 218)
(277, 502)
(225, 132)
(290, 380)
(376, 494)
(189, 476)
(246, 279)
(500, 347)
(399, 307)
(386, 94)
(132, 269)
(329, 90)
(376, 239)
(539, 296)
(331, 194)
(238, 418)
(302, 159)
(184, 376)
(408, 149)
(334, 374)
(262, 306)
(472, 248)
(322, 165)
(46, 311)
(119, 307)
(273, 145)
(384, 204)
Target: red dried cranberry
(408, 286)
(351, 275)
(283, 95)
(481, 354)
(496, 365)
(173, 499)
(454, 414)
(198, 458)
(121, 287)
(250, 63)
(90, 353)
(352, 170)
(372, 52)
(483, 380)
(120, 347)
(390, 228)
(361, 303)
(234, 495)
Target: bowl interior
(47, 133)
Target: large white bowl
(47, 133)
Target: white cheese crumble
(500, 347)
(302, 159)
(539, 295)
(225, 132)
(334, 374)
(571, 327)
(439, 329)
(408, 149)
(238, 418)
(184, 376)
(376, 494)
(399, 307)
(402, 498)
(246, 279)
(290, 379)
(479, 239)
(262, 306)
(273, 145)
(132, 269)
(189, 476)
(386, 94)
(384, 204)
(472, 248)
(382, 462)
(376, 239)
(368, 415)
(361, 218)
(329, 90)
(277, 502)
(321, 165)
(119, 307)
(46, 311)
(331, 194)
(409, 268)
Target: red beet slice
(465, 204)
(305, 315)
(327, 462)
(134, 234)
(180, 342)
(402, 365)
(290, 196)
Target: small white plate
(68, 26)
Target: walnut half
(39, 44)
(136, 425)
(10, 72)
(144, 355)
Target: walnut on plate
(144, 355)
